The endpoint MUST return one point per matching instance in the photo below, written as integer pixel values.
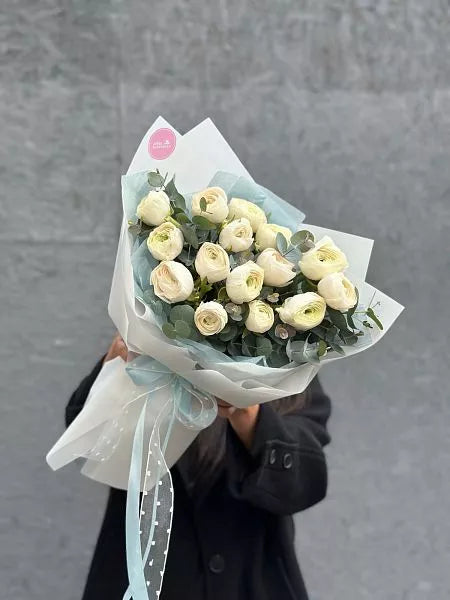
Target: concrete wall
(340, 106)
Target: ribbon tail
(147, 542)
(138, 586)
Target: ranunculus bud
(244, 283)
(237, 236)
(337, 291)
(278, 271)
(323, 259)
(172, 281)
(303, 311)
(154, 207)
(212, 262)
(266, 236)
(210, 318)
(216, 204)
(239, 208)
(165, 242)
(260, 317)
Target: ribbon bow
(149, 518)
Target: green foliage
(169, 330)
(201, 288)
(218, 345)
(322, 348)
(222, 295)
(182, 312)
(139, 228)
(203, 223)
(263, 346)
(155, 179)
(303, 240)
(281, 243)
(370, 313)
(190, 235)
(182, 329)
(174, 195)
(229, 333)
(337, 318)
(187, 258)
(203, 204)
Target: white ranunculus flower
(165, 242)
(278, 271)
(244, 209)
(154, 207)
(266, 236)
(237, 236)
(210, 318)
(244, 283)
(337, 291)
(216, 204)
(212, 262)
(303, 311)
(323, 259)
(172, 281)
(260, 317)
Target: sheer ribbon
(149, 517)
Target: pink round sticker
(161, 143)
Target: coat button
(287, 460)
(272, 457)
(216, 564)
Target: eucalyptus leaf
(281, 243)
(189, 235)
(348, 337)
(218, 345)
(265, 291)
(337, 318)
(175, 195)
(203, 204)
(322, 348)
(336, 348)
(182, 218)
(155, 179)
(169, 330)
(351, 311)
(182, 329)
(278, 358)
(310, 352)
(263, 346)
(186, 258)
(350, 322)
(300, 237)
(248, 344)
(308, 286)
(370, 313)
(234, 348)
(229, 333)
(222, 295)
(182, 312)
(203, 223)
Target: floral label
(161, 143)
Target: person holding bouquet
(236, 489)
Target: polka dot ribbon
(149, 516)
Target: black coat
(235, 540)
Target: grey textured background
(340, 106)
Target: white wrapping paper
(198, 155)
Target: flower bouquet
(218, 290)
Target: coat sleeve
(79, 396)
(285, 470)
